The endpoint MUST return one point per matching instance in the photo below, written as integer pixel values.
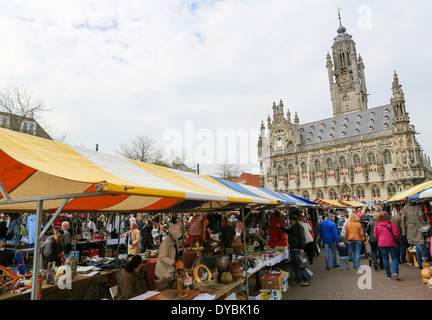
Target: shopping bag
(303, 260)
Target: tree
(21, 105)
(143, 148)
(228, 170)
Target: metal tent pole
(37, 251)
(244, 248)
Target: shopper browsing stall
(168, 252)
(133, 281)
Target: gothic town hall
(361, 153)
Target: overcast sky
(187, 73)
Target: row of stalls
(43, 176)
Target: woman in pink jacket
(387, 235)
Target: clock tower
(346, 75)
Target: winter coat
(134, 242)
(131, 284)
(386, 237)
(147, 237)
(307, 230)
(370, 231)
(328, 231)
(354, 231)
(412, 216)
(50, 252)
(296, 236)
(167, 256)
(397, 220)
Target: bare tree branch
(228, 170)
(142, 148)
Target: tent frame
(67, 197)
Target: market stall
(39, 175)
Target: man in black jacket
(51, 249)
(296, 241)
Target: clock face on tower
(344, 75)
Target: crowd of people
(387, 231)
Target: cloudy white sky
(184, 71)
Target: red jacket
(385, 237)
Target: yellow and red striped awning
(352, 203)
(329, 203)
(35, 167)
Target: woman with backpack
(387, 235)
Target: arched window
(304, 170)
(280, 174)
(357, 164)
(372, 163)
(318, 170)
(391, 190)
(279, 143)
(291, 172)
(343, 167)
(333, 194)
(306, 195)
(320, 194)
(376, 194)
(330, 168)
(387, 157)
(360, 194)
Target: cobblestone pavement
(336, 284)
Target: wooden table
(83, 288)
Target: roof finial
(340, 21)
(341, 28)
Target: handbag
(303, 261)
(425, 228)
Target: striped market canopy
(425, 193)
(410, 192)
(352, 203)
(330, 203)
(36, 168)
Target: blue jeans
(299, 273)
(355, 246)
(421, 254)
(343, 260)
(332, 247)
(393, 251)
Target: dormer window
(372, 114)
(358, 117)
(319, 138)
(332, 129)
(333, 122)
(386, 118)
(357, 131)
(331, 135)
(386, 110)
(357, 124)
(346, 120)
(371, 120)
(385, 125)
(344, 126)
(322, 124)
(343, 133)
(370, 128)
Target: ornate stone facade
(360, 154)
